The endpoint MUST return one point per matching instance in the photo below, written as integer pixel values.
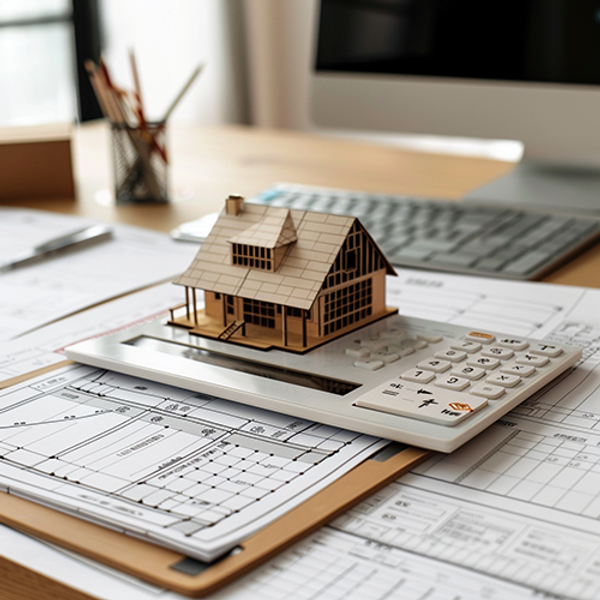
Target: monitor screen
(551, 41)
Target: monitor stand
(546, 186)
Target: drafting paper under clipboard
(173, 570)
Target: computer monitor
(525, 70)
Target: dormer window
(264, 244)
(257, 257)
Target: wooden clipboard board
(172, 570)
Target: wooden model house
(276, 277)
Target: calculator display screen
(244, 365)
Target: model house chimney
(234, 204)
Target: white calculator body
(424, 383)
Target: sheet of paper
(195, 473)
(44, 347)
(514, 508)
(329, 565)
(45, 291)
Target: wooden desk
(209, 163)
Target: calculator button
(435, 364)
(369, 364)
(484, 362)
(546, 350)
(412, 343)
(478, 336)
(392, 334)
(488, 390)
(466, 346)
(444, 407)
(513, 343)
(503, 379)
(472, 373)
(522, 370)
(375, 345)
(357, 351)
(451, 355)
(430, 338)
(498, 352)
(453, 383)
(418, 375)
(532, 359)
(386, 357)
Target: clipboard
(190, 577)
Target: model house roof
(317, 239)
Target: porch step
(231, 329)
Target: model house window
(259, 313)
(348, 305)
(256, 257)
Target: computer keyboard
(447, 236)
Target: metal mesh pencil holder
(140, 163)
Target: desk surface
(209, 163)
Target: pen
(71, 241)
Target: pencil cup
(140, 163)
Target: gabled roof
(302, 272)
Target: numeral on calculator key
(418, 375)
(484, 362)
(434, 364)
(451, 355)
(452, 383)
(472, 373)
(466, 346)
(498, 352)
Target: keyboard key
(466, 346)
(487, 390)
(513, 343)
(481, 337)
(526, 264)
(430, 338)
(546, 349)
(484, 362)
(451, 355)
(532, 359)
(522, 370)
(503, 379)
(418, 375)
(472, 373)
(369, 364)
(453, 383)
(498, 352)
(434, 364)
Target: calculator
(419, 382)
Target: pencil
(182, 92)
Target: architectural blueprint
(196, 473)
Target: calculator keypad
(454, 378)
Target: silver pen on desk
(71, 241)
